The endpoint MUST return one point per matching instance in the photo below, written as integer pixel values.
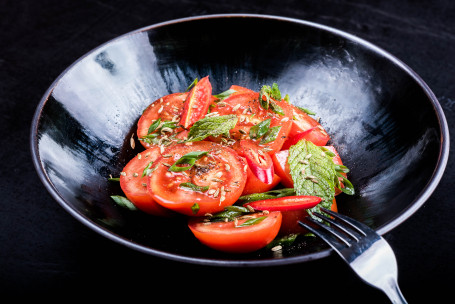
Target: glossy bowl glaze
(385, 121)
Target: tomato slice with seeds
(250, 113)
(197, 102)
(232, 237)
(133, 182)
(166, 108)
(286, 203)
(302, 122)
(218, 177)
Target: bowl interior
(382, 119)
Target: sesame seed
(167, 155)
(123, 173)
(132, 142)
(237, 106)
(217, 180)
(161, 109)
(144, 184)
(216, 193)
(219, 174)
(285, 119)
(167, 165)
(135, 174)
(211, 191)
(227, 167)
(245, 168)
(221, 104)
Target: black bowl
(385, 121)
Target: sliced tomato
(302, 122)
(291, 218)
(259, 162)
(292, 140)
(221, 171)
(250, 113)
(281, 168)
(254, 185)
(239, 89)
(133, 182)
(197, 102)
(166, 108)
(234, 238)
(286, 203)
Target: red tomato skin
(132, 185)
(197, 103)
(224, 236)
(302, 122)
(254, 185)
(281, 167)
(162, 185)
(166, 108)
(290, 220)
(239, 89)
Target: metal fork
(365, 251)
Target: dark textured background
(46, 252)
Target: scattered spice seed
(227, 167)
(123, 173)
(132, 142)
(277, 248)
(161, 109)
(237, 106)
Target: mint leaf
(212, 126)
(313, 172)
(267, 97)
(271, 135)
(266, 195)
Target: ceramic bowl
(388, 126)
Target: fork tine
(338, 225)
(327, 237)
(358, 226)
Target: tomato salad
(242, 166)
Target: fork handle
(391, 289)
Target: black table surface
(46, 252)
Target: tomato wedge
(254, 185)
(239, 89)
(260, 163)
(281, 168)
(302, 122)
(286, 203)
(215, 179)
(133, 181)
(232, 237)
(197, 103)
(166, 108)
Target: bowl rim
(423, 196)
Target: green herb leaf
(275, 92)
(309, 112)
(266, 195)
(195, 208)
(313, 173)
(147, 169)
(252, 221)
(257, 131)
(154, 126)
(286, 240)
(212, 126)
(192, 84)
(224, 95)
(193, 187)
(187, 159)
(271, 135)
(267, 95)
(123, 202)
(276, 108)
(114, 179)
